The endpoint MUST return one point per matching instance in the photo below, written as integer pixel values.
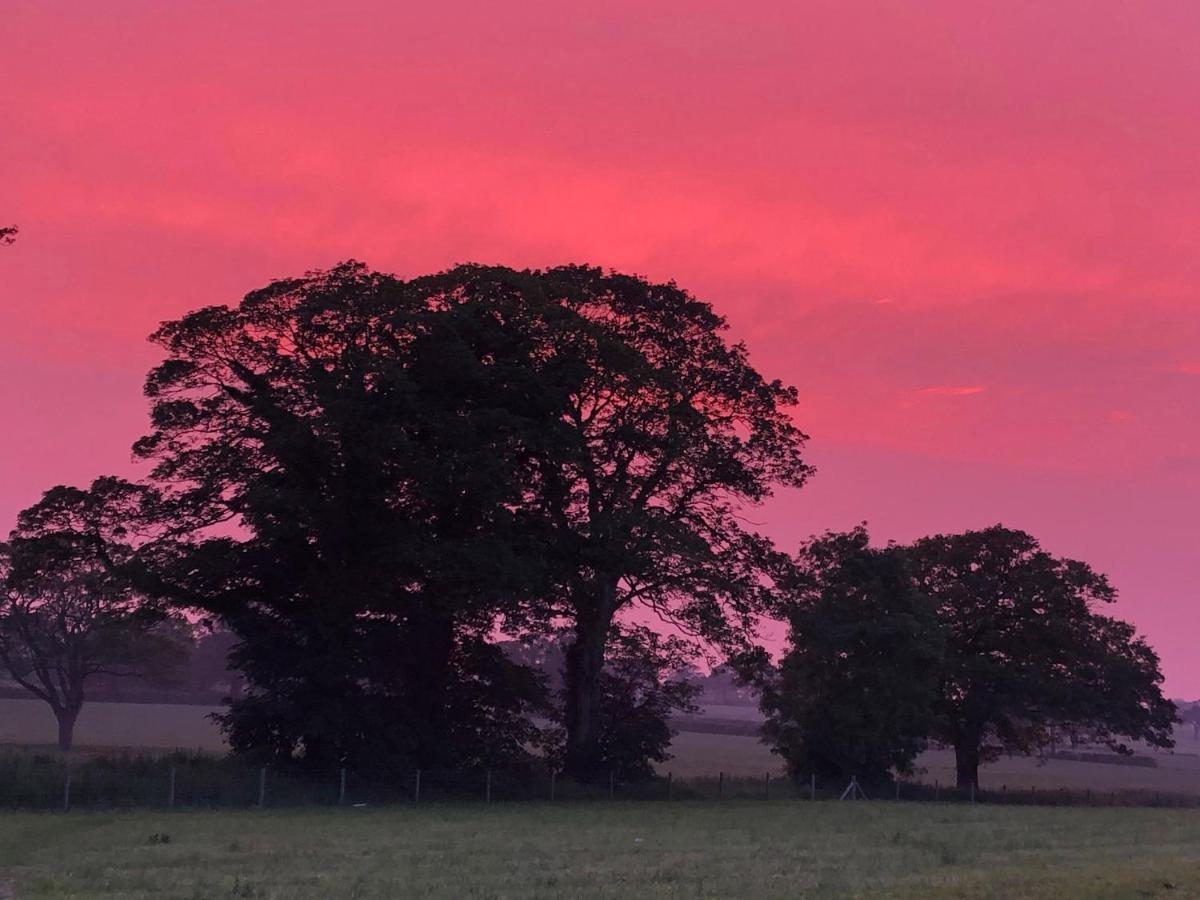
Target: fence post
(669, 779)
(767, 786)
(612, 784)
(67, 787)
(897, 788)
(342, 786)
(812, 787)
(262, 787)
(417, 787)
(937, 790)
(487, 791)
(972, 792)
(720, 785)
(553, 776)
(171, 788)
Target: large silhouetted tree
(1028, 650)
(363, 444)
(70, 609)
(663, 431)
(854, 690)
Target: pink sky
(968, 232)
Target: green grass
(743, 849)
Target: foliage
(662, 432)
(643, 683)
(70, 611)
(413, 463)
(853, 691)
(1026, 650)
(347, 451)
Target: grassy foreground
(742, 849)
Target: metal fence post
(897, 788)
(812, 786)
(487, 796)
(553, 776)
(417, 787)
(612, 784)
(171, 788)
(670, 778)
(972, 792)
(720, 785)
(262, 787)
(937, 790)
(342, 786)
(67, 787)
(767, 786)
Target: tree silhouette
(662, 432)
(366, 444)
(853, 692)
(1026, 650)
(69, 608)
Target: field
(164, 726)
(744, 849)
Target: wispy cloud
(946, 390)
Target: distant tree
(724, 686)
(69, 607)
(640, 688)
(364, 441)
(1026, 650)
(8, 234)
(1190, 715)
(663, 432)
(853, 692)
(208, 667)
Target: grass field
(136, 725)
(732, 849)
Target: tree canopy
(1028, 649)
(853, 691)
(413, 464)
(663, 433)
(70, 609)
(363, 442)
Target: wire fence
(191, 781)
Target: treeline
(374, 484)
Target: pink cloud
(952, 391)
(1034, 201)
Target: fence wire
(191, 781)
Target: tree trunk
(66, 725)
(430, 654)
(966, 762)
(584, 665)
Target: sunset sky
(969, 233)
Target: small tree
(853, 692)
(646, 679)
(8, 234)
(1028, 652)
(69, 610)
(640, 689)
